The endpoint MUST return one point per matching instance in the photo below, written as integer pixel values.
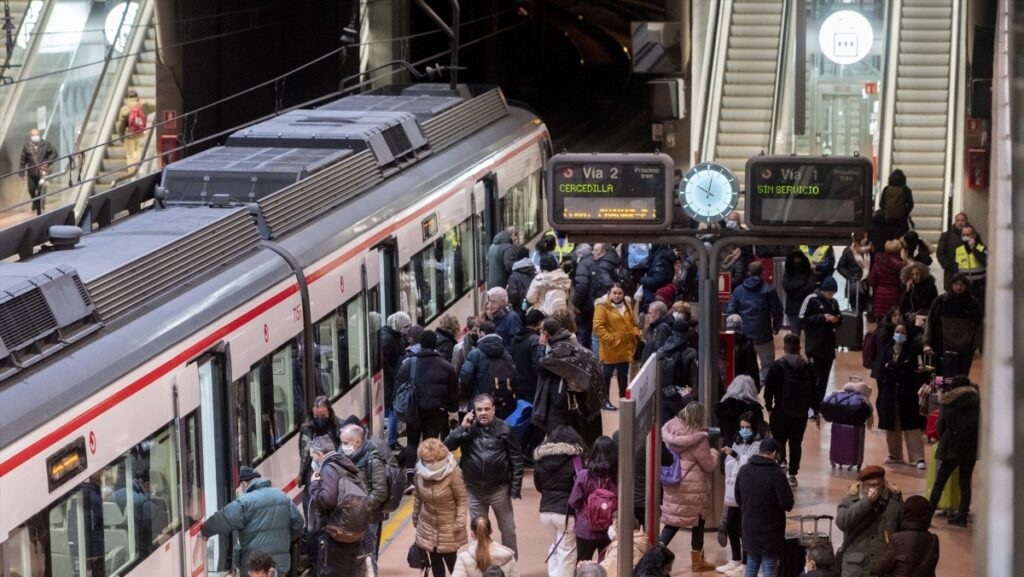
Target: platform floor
(819, 492)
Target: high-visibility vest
(967, 262)
(562, 250)
(819, 255)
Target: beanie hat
(829, 285)
(733, 322)
(770, 445)
(428, 340)
(534, 317)
(666, 294)
(917, 509)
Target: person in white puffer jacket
(483, 553)
(549, 290)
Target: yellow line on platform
(396, 521)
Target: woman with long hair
(440, 505)
(593, 494)
(483, 553)
(554, 474)
(615, 324)
(655, 563)
(740, 398)
(688, 504)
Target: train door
(208, 432)
(387, 258)
(369, 273)
(488, 224)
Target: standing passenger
(615, 324)
(789, 392)
(392, 350)
(554, 476)
(500, 313)
(898, 202)
(819, 318)
(760, 310)
(798, 281)
(764, 499)
(439, 506)
(593, 494)
(500, 258)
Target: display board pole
(653, 477)
(627, 456)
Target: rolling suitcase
(847, 446)
(950, 362)
(950, 498)
(850, 333)
(794, 551)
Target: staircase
(920, 140)
(144, 83)
(744, 115)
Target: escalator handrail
(954, 111)
(888, 105)
(716, 49)
(781, 59)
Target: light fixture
(118, 25)
(845, 37)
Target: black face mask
(320, 422)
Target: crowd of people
(523, 387)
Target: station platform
(819, 492)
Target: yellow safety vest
(561, 250)
(967, 262)
(819, 255)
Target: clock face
(709, 192)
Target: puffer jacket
(392, 352)
(323, 492)
(954, 324)
(657, 335)
(764, 497)
(526, 354)
(919, 297)
(616, 332)
(554, 474)
(913, 552)
(501, 557)
(264, 518)
(684, 504)
(820, 340)
(507, 324)
(500, 258)
(549, 291)
(445, 344)
(373, 474)
(659, 274)
(958, 424)
(519, 281)
(440, 510)
(583, 296)
(867, 527)
(586, 483)
(437, 388)
(798, 281)
(885, 280)
(606, 273)
(473, 376)
(610, 563)
(491, 456)
(759, 307)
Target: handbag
(925, 373)
(671, 474)
(417, 558)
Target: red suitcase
(929, 430)
(847, 446)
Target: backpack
(679, 369)
(136, 119)
(867, 350)
(601, 506)
(498, 383)
(798, 386)
(671, 474)
(406, 403)
(638, 255)
(349, 519)
(392, 472)
(520, 418)
(846, 408)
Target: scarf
(436, 471)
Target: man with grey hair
(373, 474)
(659, 328)
(505, 320)
(334, 558)
(501, 257)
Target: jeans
(595, 344)
(696, 536)
(438, 561)
(562, 560)
(766, 356)
(822, 367)
(789, 430)
(371, 544)
(621, 371)
(946, 468)
(769, 566)
(392, 427)
(499, 499)
(733, 523)
(430, 425)
(585, 548)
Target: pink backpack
(601, 506)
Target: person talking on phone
(492, 465)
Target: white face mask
(732, 224)
(611, 533)
(315, 465)
(678, 316)
(36, 139)
(966, 238)
(348, 450)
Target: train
(143, 364)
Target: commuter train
(181, 355)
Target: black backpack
(798, 388)
(499, 382)
(350, 517)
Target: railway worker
(261, 564)
(389, 339)
(373, 474)
(264, 518)
(334, 558)
(501, 257)
(500, 313)
(492, 466)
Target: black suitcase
(794, 552)
(850, 333)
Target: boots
(698, 564)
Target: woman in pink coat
(688, 504)
(884, 278)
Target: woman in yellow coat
(615, 324)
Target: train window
(466, 256)
(329, 363)
(67, 523)
(355, 312)
(412, 297)
(521, 206)
(285, 382)
(376, 321)
(121, 502)
(249, 400)
(24, 553)
(452, 273)
(341, 347)
(159, 491)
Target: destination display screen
(789, 192)
(625, 191)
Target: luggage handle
(854, 379)
(927, 360)
(816, 518)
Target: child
(746, 444)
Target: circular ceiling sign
(845, 37)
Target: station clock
(709, 192)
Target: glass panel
(249, 402)
(121, 489)
(410, 291)
(375, 323)
(326, 356)
(24, 553)
(193, 473)
(160, 489)
(67, 523)
(466, 252)
(356, 337)
(285, 367)
(521, 206)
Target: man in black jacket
(789, 392)
(659, 328)
(819, 318)
(437, 397)
(392, 350)
(582, 296)
(492, 466)
(958, 425)
(37, 156)
(764, 498)
(477, 374)
(334, 558)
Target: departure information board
(832, 194)
(626, 192)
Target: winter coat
(323, 492)
(373, 474)
(764, 497)
(307, 433)
(519, 281)
(586, 483)
(445, 344)
(607, 271)
(912, 552)
(526, 355)
(822, 262)
(958, 424)
(462, 350)
(897, 387)
(507, 325)
(885, 280)
(473, 376)
(440, 512)
(759, 307)
(554, 475)
(776, 394)
(657, 335)
(659, 273)
(945, 252)
(500, 258)
(437, 388)
(549, 291)
(797, 280)
(954, 324)
(681, 372)
(33, 155)
(391, 353)
(897, 202)
(616, 332)
(866, 527)
(684, 504)
(565, 363)
(583, 294)
(919, 298)
(852, 268)
(745, 357)
(491, 456)
(610, 563)
(264, 518)
(501, 556)
(729, 411)
(820, 339)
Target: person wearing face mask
(320, 422)
(971, 259)
(37, 156)
(335, 487)
(373, 474)
(819, 317)
(949, 241)
(263, 517)
(746, 444)
(868, 516)
(897, 402)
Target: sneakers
(782, 464)
(609, 407)
(739, 571)
(792, 481)
(890, 460)
(957, 520)
(728, 567)
(921, 464)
